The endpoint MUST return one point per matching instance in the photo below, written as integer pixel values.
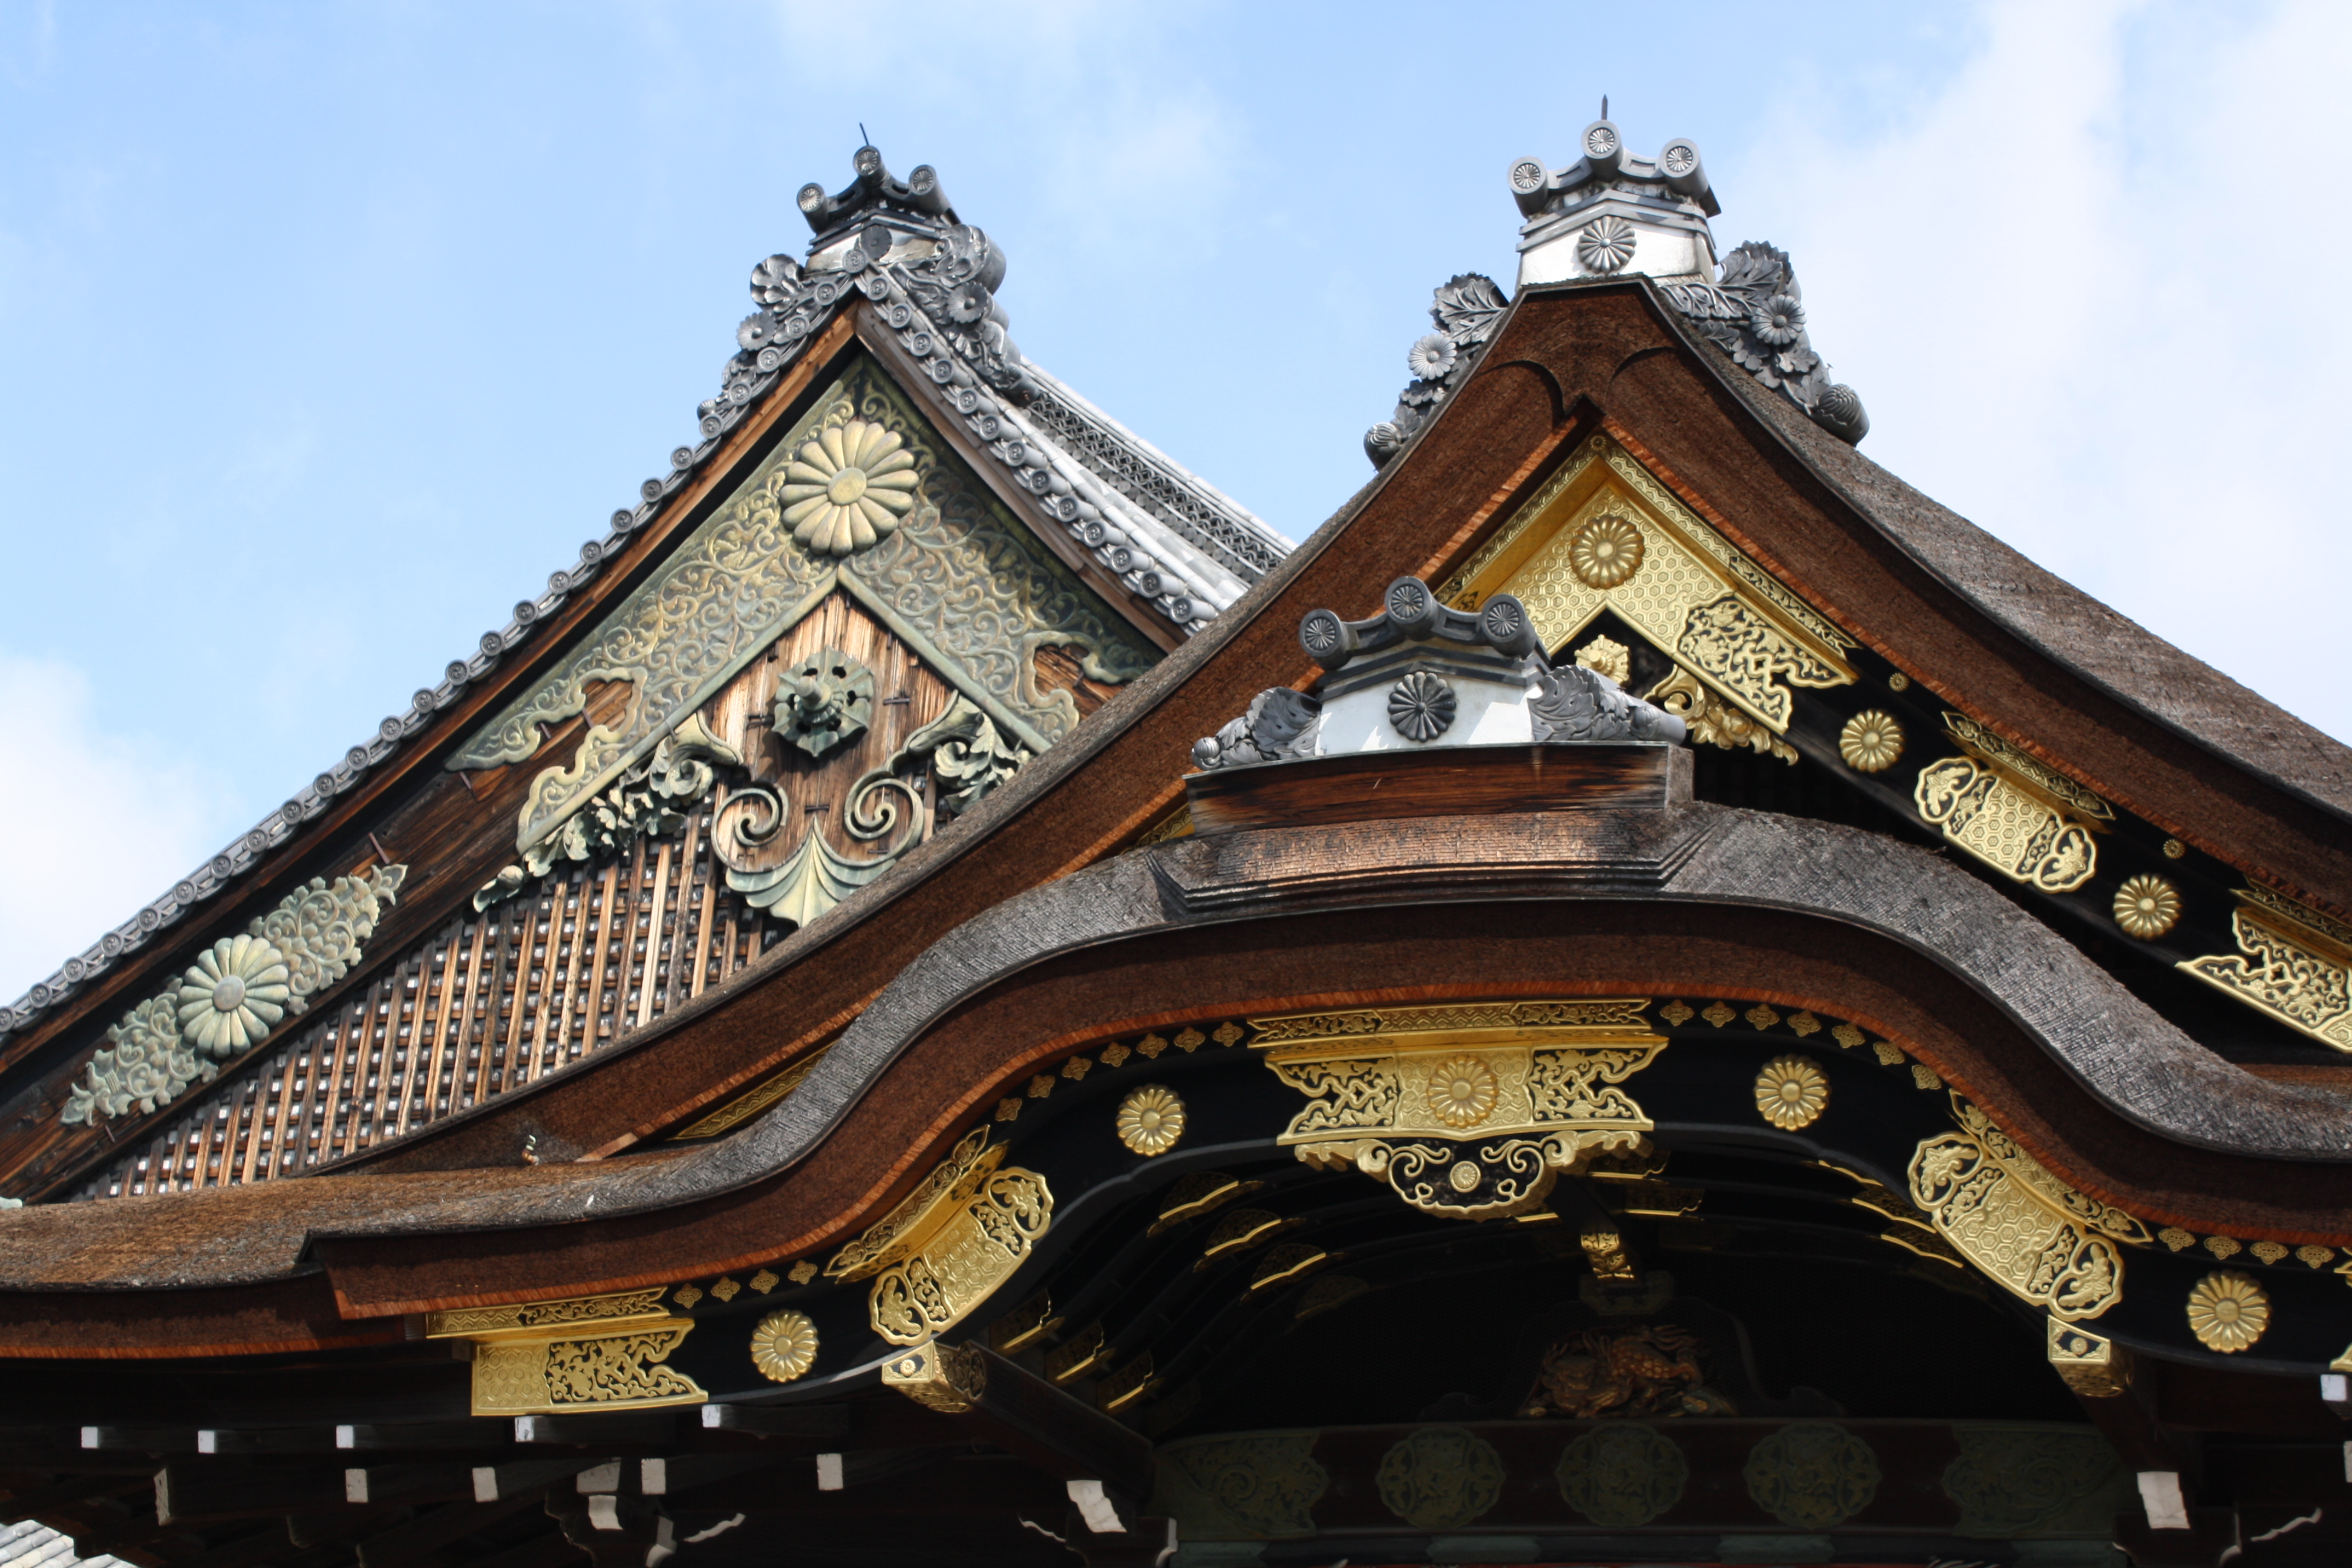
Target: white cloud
(2081, 289)
(101, 821)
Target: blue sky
(330, 329)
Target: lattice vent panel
(491, 1002)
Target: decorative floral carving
(234, 995)
(647, 799)
(1421, 706)
(1754, 311)
(1580, 705)
(1279, 723)
(2009, 828)
(1268, 1484)
(1606, 551)
(1791, 1093)
(2009, 1480)
(1462, 1091)
(1621, 1478)
(1150, 1120)
(1811, 1475)
(1440, 1478)
(1607, 655)
(849, 487)
(1466, 310)
(2297, 965)
(1606, 245)
(1648, 1370)
(2228, 1312)
(2148, 907)
(1712, 720)
(1870, 742)
(784, 1346)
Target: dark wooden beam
(199, 1490)
(265, 1439)
(625, 1428)
(485, 1432)
(778, 1420)
(419, 1538)
(1057, 1432)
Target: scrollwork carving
(2292, 963)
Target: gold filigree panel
(582, 1352)
(2293, 963)
(1604, 535)
(2022, 818)
(944, 1251)
(1470, 1110)
(2034, 1236)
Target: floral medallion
(1778, 321)
(1790, 1092)
(1606, 245)
(784, 1346)
(2228, 1312)
(2148, 907)
(1421, 706)
(1606, 552)
(1811, 1475)
(1440, 1478)
(848, 487)
(1462, 1091)
(1871, 742)
(234, 994)
(1150, 1120)
(1432, 357)
(1608, 657)
(1621, 1478)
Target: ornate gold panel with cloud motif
(2294, 964)
(2022, 818)
(1604, 535)
(956, 1238)
(2035, 1237)
(580, 1353)
(1469, 1111)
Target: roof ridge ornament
(1422, 673)
(1467, 308)
(1755, 313)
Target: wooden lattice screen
(490, 1003)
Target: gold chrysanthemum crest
(1791, 1093)
(1606, 552)
(1462, 1091)
(1150, 1120)
(2228, 1312)
(848, 487)
(2148, 907)
(784, 1346)
(1871, 742)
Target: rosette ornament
(849, 488)
(234, 994)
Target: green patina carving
(1440, 1478)
(1621, 1477)
(236, 992)
(1811, 1475)
(960, 581)
(2035, 1481)
(1261, 1487)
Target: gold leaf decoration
(1606, 551)
(1676, 1013)
(1462, 1091)
(1114, 1054)
(1008, 1109)
(1719, 1014)
(2175, 1237)
(803, 1271)
(1150, 1045)
(2228, 1312)
(764, 1281)
(1804, 1024)
(2268, 1251)
(1191, 1039)
(726, 1290)
(1228, 1035)
(686, 1296)
(1761, 1016)
(1890, 1054)
(2223, 1246)
(1871, 742)
(784, 1346)
(2148, 907)
(1847, 1035)
(1076, 1068)
(1925, 1076)
(1609, 657)
(1150, 1120)
(2314, 1256)
(1791, 1093)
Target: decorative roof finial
(1610, 212)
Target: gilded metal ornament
(2292, 963)
(1683, 586)
(950, 1379)
(1606, 551)
(2228, 1312)
(2091, 1364)
(784, 1345)
(2014, 1480)
(1440, 1478)
(1150, 1120)
(1608, 657)
(2147, 907)
(1714, 721)
(1791, 1092)
(1393, 1090)
(1645, 1372)
(941, 1253)
(2033, 1234)
(575, 1353)
(237, 992)
(2013, 829)
(1811, 1475)
(1621, 1478)
(848, 487)
(1870, 742)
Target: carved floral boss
(1468, 1111)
